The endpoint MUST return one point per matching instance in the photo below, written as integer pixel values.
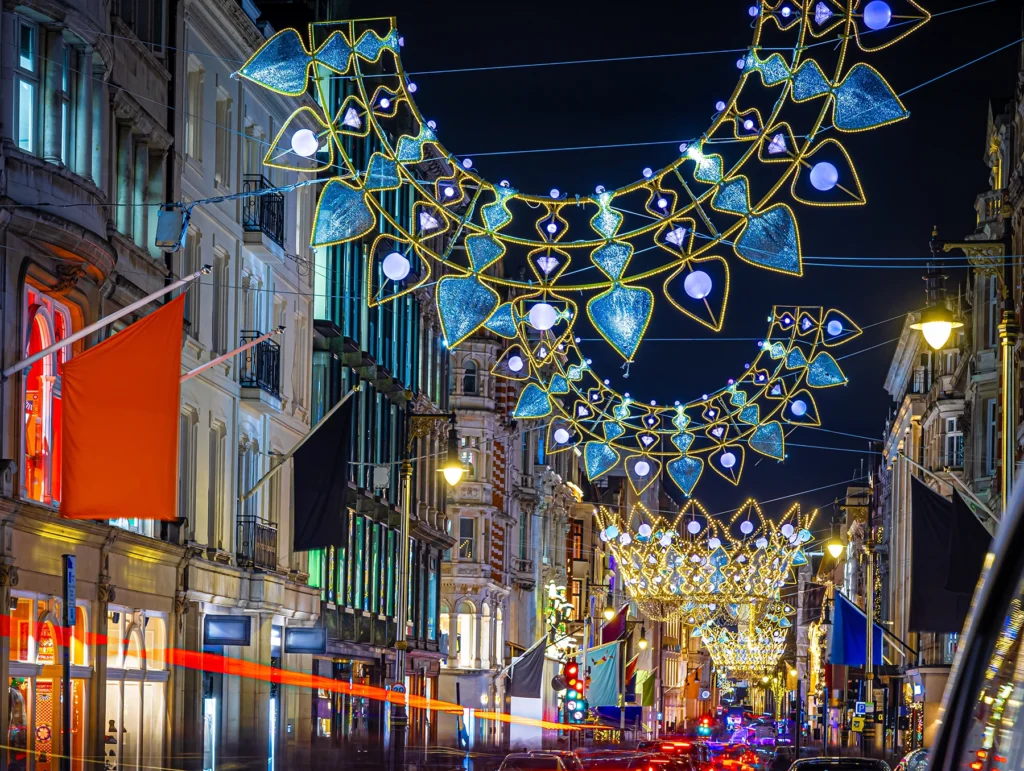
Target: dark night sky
(923, 171)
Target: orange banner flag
(121, 405)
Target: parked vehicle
(839, 764)
(569, 758)
(916, 760)
(532, 761)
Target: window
(252, 150)
(466, 456)
(217, 477)
(188, 443)
(524, 536)
(991, 436)
(954, 453)
(469, 378)
(194, 116)
(993, 312)
(274, 488)
(47, 322)
(467, 538)
(192, 261)
(465, 640)
(65, 106)
(145, 18)
(576, 539)
(26, 81)
(222, 149)
(221, 283)
(248, 474)
(577, 599)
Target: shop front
(341, 714)
(35, 688)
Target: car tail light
(976, 765)
(998, 758)
(982, 754)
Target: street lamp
(417, 427)
(835, 547)
(609, 608)
(937, 322)
(987, 258)
(453, 468)
(643, 638)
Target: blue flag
(848, 640)
(604, 667)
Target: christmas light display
(720, 192)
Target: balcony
(259, 372)
(522, 573)
(263, 215)
(257, 543)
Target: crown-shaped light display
(749, 644)
(699, 566)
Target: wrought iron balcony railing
(260, 366)
(263, 213)
(257, 543)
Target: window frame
(222, 143)
(30, 77)
(194, 93)
(467, 539)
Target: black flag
(528, 672)
(321, 483)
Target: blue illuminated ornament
(824, 176)
(877, 14)
(697, 285)
(834, 327)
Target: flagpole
(302, 441)
(225, 356)
(105, 321)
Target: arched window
(466, 640)
(469, 377)
(499, 637)
(446, 644)
(47, 322)
(485, 636)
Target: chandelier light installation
(704, 568)
(728, 191)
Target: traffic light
(704, 727)
(575, 699)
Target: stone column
(123, 183)
(53, 129)
(478, 624)
(186, 702)
(7, 58)
(254, 699)
(95, 747)
(140, 197)
(84, 116)
(100, 120)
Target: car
(532, 761)
(569, 758)
(979, 726)
(611, 760)
(839, 764)
(916, 760)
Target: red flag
(121, 405)
(631, 667)
(616, 628)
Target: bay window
(26, 86)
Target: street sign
(70, 590)
(860, 708)
(869, 707)
(857, 724)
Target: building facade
(105, 115)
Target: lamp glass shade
(453, 474)
(936, 324)
(643, 643)
(835, 548)
(609, 613)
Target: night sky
(923, 171)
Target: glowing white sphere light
(515, 363)
(305, 143)
(693, 526)
(728, 460)
(787, 530)
(697, 284)
(642, 469)
(714, 543)
(396, 266)
(824, 176)
(798, 407)
(834, 327)
(543, 316)
(746, 527)
(644, 531)
(561, 435)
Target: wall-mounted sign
(305, 639)
(227, 630)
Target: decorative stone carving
(67, 278)
(8, 575)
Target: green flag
(645, 687)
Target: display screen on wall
(227, 630)
(311, 639)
